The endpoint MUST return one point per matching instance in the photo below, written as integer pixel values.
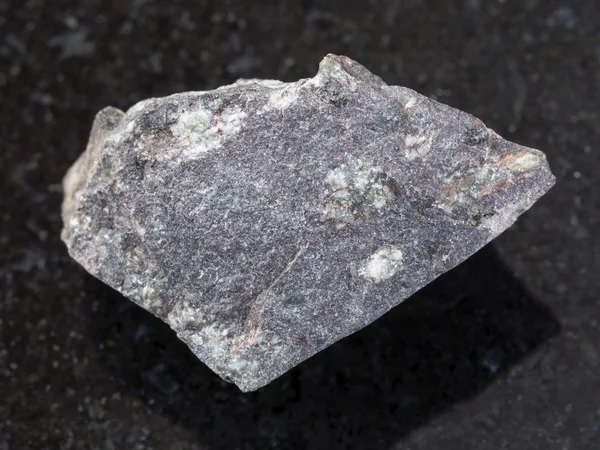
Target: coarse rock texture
(263, 221)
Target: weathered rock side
(263, 221)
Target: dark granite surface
(500, 353)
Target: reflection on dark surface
(442, 346)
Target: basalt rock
(264, 221)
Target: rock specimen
(263, 221)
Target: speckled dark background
(501, 353)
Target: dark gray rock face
(263, 221)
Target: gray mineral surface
(264, 221)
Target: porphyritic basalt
(264, 221)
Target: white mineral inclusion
(207, 340)
(480, 181)
(201, 131)
(525, 162)
(182, 314)
(150, 298)
(412, 101)
(237, 363)
(338, 178)
(382, 264)
(131, 126)
(353, 188)
(283, 97)
(417, 145)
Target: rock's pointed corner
(264, 221)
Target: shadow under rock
(442, 346)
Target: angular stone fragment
(263, 221)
